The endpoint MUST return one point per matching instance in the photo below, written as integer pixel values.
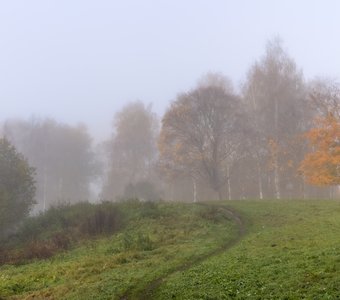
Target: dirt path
(149, 290)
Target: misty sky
(80, 60)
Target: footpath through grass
(155, 239)
(291, 251)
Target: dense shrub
(38, 249)
(81, 218)
(3, 255)
(144, 190)
(61, 240)
(102, 221)
(142, 209)
(150, 210)
(59, 228)
(55, 230)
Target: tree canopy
(322, 165)
(200, 135)
(131, 150)
(17, 188)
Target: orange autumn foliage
(322, 165)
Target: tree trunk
(171, 191)
(259, 175)
(277, 180)
(219, 195)
(228, 183)
(276, 163)
(303, 188)
(194, 189)
(44, 189)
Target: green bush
(55, 230)
(17, 188)
(144, 190)
(101, 221)
(150, 210)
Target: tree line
(276, 137)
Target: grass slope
(156, 239)
(291, 251)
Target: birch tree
(275, 96)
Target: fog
(169, 149)
(81, 61)
(89, 91)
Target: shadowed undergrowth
(59, 229)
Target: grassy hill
(290, 250)
(149, 241)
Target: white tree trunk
(228, 183)
(172, 191)
(194, 189)
(277, 179)
(303, 188)
(276, 163)
(259, 174)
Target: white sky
(82, 60)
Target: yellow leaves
(322, 165)
(273, 145)
(316, 168)
(290, 163)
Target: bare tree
(325, 97)
(200, 135)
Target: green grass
(291, 251)
(155, 239)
